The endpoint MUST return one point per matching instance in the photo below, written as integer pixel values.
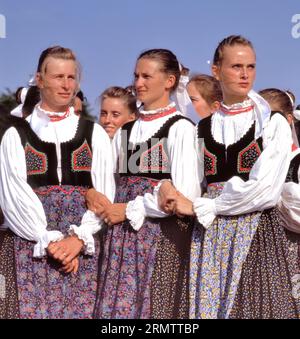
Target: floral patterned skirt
(9, 305)
(240, 267)
(270, 282)
(143, 274)
(43, 291)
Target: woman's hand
(114, 214)
(66, 249)
(166, 197)
(96, 201)
(71, 267)
(183, 206)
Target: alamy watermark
(296, 28)
(2, 27)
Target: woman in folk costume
(238, 256)
(49, 251)
(289, 203)
(144, 268)
(118, 106)
(205, 93)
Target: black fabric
(155, 169)
(69, 177)
(8, 121)
(292, 175)
(30, 139)
(221, 164)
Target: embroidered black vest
(221, 164)
(9, 121)
(148, 159)
(292, 175)
(76, 157)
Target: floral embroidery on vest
(82, 158)
(36, 162)
(247, 157)
(210, 163)
(154, 159)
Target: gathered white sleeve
(289, 204)
(23, 211)
(116, 150)
(103, 182)
(184, 174)
(265, 183)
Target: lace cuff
(86, 236)
(39, 249)
(157, 187)
(205, 210)
(135, 212)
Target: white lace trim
(135, 212)
(39, 249)
(246, 103)
(86, 237)
(42, 112)
(159, 110)
(205, 210)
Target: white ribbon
(262, 111)
(183, 101)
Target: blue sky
(107, 37)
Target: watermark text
(296, 28)
(2, 27)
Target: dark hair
(292, 97)
(168, 61)
(231, 40)
(57, 52)
(80, 95)
(32, 98)
(18, 95)
(278, 100)
(126, 94)
(208, 87)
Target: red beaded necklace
(233, 111)
(150, 117)
(58, 117)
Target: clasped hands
(172, 201)
(99, 204)
(66, 251)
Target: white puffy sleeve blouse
(183, 159)
(23, 211)
(266, 177)
(289, 203)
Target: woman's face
(151, 84)
(57, 83)
(236, 73)
(114, 114)
(202, 107)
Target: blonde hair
(231, 40)
(208, 87)
(58, 52)
(125, 94)
(278, 100)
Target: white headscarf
(18, 111)
(183, 101)
(296, 113)
(262, 111)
